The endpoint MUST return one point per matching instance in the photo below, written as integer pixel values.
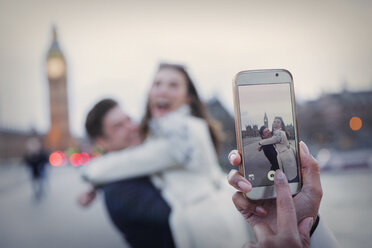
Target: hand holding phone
(266, 129)
(306, 202)
(288, 233)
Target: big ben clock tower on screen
(58, 137)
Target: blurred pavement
(257, 160)
(56, 221)
(346, 206)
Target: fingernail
(232, 157)
(260, 210)
(244, 186)
(304, 148)
(280, 176)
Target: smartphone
(266, 129)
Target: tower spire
(54, 50)
(266, 121)
(54, 32)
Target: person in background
(134, 205)
(36, 159)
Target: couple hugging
(277, 149)
(161, 179)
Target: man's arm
(276, 138)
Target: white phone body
(269, 95)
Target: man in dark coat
(135, 205)
(269, 150)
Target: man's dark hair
(262, 129)
(93, 123)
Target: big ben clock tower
(266, 121)
(58, 137)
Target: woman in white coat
(286, 155)
(180, 157)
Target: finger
(304, 230)
(246, 206)
(262, 231)
(236, 180)
(85, 199)
(310, 173)
(286, 212)
(234, 158)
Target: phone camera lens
(277, 74)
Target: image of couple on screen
(278, 150)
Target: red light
(85, 158)
(76, 159)
(57, 158)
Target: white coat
(286, 155)
(181, 160)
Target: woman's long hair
(282, 126)
(198, 109)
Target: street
(57, 220)
(256, 161)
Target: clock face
(55, 67)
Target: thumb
(304, 230)
(310, 171)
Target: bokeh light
(57, 158)
(76, 159)
(323, 156)
(85, 158)
(355, 123)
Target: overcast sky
(256, 100)
(112, 48)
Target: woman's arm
(148, 158)
(273, 140)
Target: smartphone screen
(268, 132)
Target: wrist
(315, 225)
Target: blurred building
(290, 130)
(327, 121)
(338, 129)
(12, 142)
(227, 125)
(251, 131)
